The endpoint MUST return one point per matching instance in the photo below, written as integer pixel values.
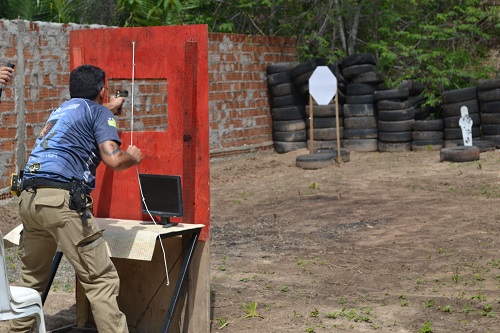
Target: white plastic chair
(18, 302)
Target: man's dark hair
(86, 81)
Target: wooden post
(311, 135)
(339, 158)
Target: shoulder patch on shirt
(112, 122)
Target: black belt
(35, 183)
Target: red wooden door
(170, 121)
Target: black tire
(399, 105)
(283, 89)
(396, 115)
(325, 122)
(391, 94)
(293, 112)
(427, 135)
(394, 146)
(490, 129)
(369, 77)
(303, 79)
(395, 136)
(490, 118)
(279, 67)
(324, 144)
(278, 78)
(489, 95)
(358, 110)
(396, 126)
(352, 71)
(483, 145)
(456, 133)
(358, 59)
(422, 113)
(453, 109)
(490, 107)
(459, 95)
(345, 154)
(338, 73)
(287, 100)
(361, 88)
(359, 99)
(314, 161)
(428, 125)
(460, 154)
(307, 66)
(488, 84)
(492, 138)
(453, 122)
(414, 87)
(452, 143)
(286, 147)
(304, 89)
(325, 111)
(293, 136)
(289, 125)
(361, 145)
(360, 133)
(360, 122)
(427, 145)
(326, 134)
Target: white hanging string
(133, 84)
(136, 167)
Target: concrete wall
(240, 118)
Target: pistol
(121, 93)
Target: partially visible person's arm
(114, 103)
(6, 74)
(117, 159)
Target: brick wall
(240, 118)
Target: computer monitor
(161, 196)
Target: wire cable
(133, 84)
(137, 168)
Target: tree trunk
(341, 26)
(354, 30)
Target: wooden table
(132, 241)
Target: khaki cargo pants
(48, 223)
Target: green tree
(441, 44)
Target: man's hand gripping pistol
(121, 93)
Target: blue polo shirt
(67, 147)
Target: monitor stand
(164, 221)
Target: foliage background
(442, 44)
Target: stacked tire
(360, 122)
(302, 72)
(396, 117)
(287, 109)
(324, 126)
(427, 135)
(453, 101)
(488, 94)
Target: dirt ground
(387, 242)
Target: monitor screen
(162, 194)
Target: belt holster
(78, 197)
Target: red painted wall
(178, 55)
